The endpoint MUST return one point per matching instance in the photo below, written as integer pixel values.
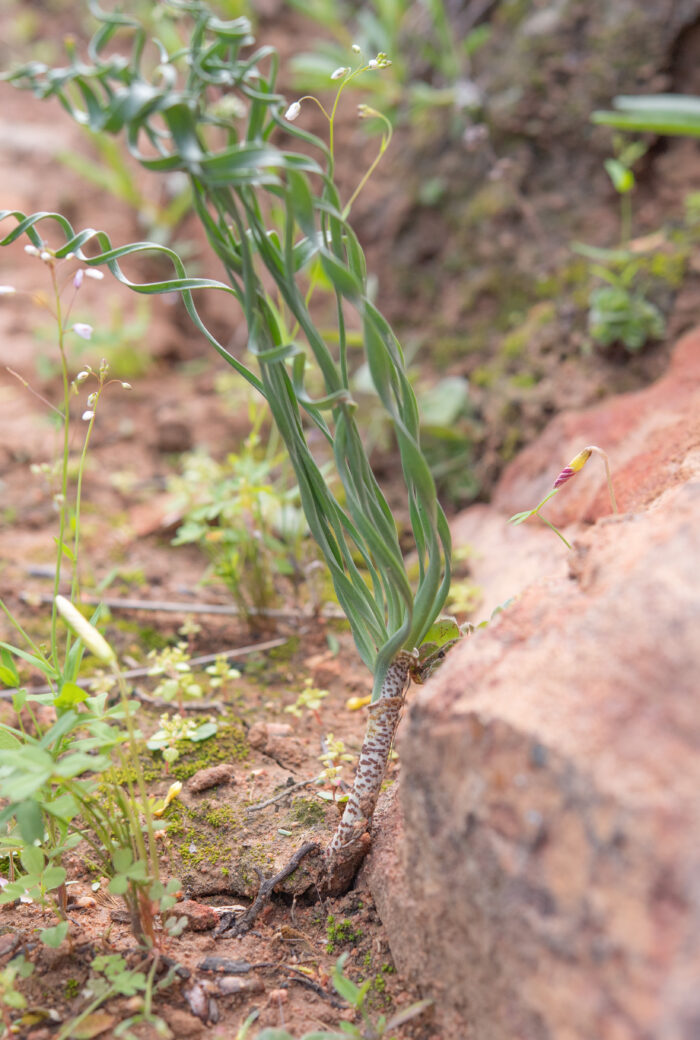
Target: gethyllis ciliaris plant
(276, 222)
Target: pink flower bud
(577, 463)
(82, 330)
(78, 278)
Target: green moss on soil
(308, 812)
(229, 745)
(340, 933)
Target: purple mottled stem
(351, 841)
(566, 474)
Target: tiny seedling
(174, 729)
(310, 699)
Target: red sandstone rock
(650, 435)
(212, 776)
(542, 879)
(200, 917)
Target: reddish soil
(128, 524)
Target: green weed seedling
(245, 517)
(620, 310)
(310, 699)
(174, 729)
(576, 464)
(356, 997)
(60, 782)
(111, 977)
(11, 999)
(333, 757)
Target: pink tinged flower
(566, 474)
(577, 463)
(82, 330)
(78, 278)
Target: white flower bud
(82, 330)
(94, 641)
(356, 48)
(7, 290)
(45, 256)
(31, 250)
(127, 386)
(88, 415)
(92, 272)
(78, 278)
(82, 376)
(372, 63)
(92, 399)
(339, 73)
(293, 111)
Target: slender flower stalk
(569, 471)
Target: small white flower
(340, 72)
(69, 256)
(82, 376)
(78, 278)
(372, 63)
(356, 48)
(82, 330)
(88, 415)
(127, 386)
(92, 272)
(45, 256)
(92, 400)
(31, 250)
(293, 111)
(7, 290)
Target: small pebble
(230, 984)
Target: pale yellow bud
(94, 641)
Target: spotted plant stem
(351, 841)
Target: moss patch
(229, 745)
(340, 933)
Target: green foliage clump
(245, 517)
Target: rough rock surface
(539, 871)
(549, 63)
